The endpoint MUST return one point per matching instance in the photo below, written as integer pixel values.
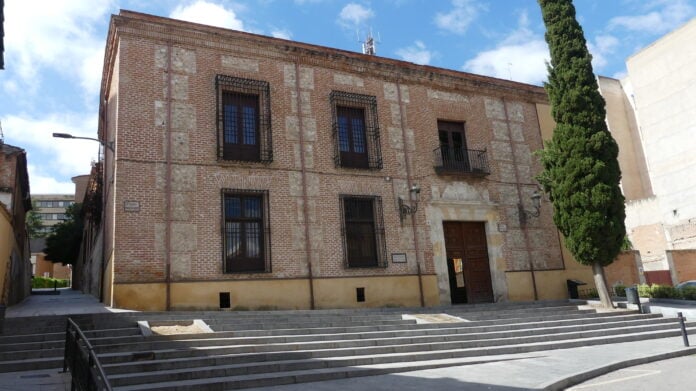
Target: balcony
(460, 161)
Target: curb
(580, 377)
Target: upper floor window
(453, 155)
(453, 143)
(246, 231)
(244, 119)
(363, 231)
(355, 131)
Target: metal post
(683, 329)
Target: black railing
(461, 161)
(86, 372)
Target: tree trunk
(600, 283)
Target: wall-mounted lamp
(410, 207)
(109, 145)
(536, 203)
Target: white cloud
(603, 46)
(521, 56)
(353, 15)
(666, 15)
(55, 34)
(281, 33)
(51, 157)
(40, 183)
(205, 12)
(418, 53)
(458, 19)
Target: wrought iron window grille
(346, 101)
(350, 213)
(230, 88)
(263, 264)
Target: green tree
(63, 244)
(581, 171)
(33, 222)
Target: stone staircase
(252, 349)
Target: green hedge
(47, 282)
(620, 291)
(666, 292)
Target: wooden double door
(467, 262)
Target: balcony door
(453, 145)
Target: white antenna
(2, 136)
(369, 46)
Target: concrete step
(529, 317)
(371, 346)
(122, 332)
(430, 329)
(245, 376)
(31, 364)
(57, 340)
(160, 360)
(152, 343)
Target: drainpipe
(104, 197)
(168, 184)
(305, 200)
(402, 116)
(523, 220)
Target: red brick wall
(137, 120)
(623, 271)
(684, 262)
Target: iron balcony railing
(86, 371)
(451, 160)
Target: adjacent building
(255, 172)
(51, 209)
(42, 267)
(652, 115)
(15, 202)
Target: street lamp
(536, 203)
(109, 145)
(411, 207)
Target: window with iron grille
(355, 131)
(246, 231)
(244, 119)
(362, 229)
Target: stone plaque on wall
(131, 206)
(398, 258)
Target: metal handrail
(79, 358)
(455, 159)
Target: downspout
(103, 208)
(168, 184)
(305, 200)
(523, 219)
(402, 117)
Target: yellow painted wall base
(551, 285)
(399, 291)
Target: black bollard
(55, 285)
(683, 329)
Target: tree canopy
(34, 224)
(63, 244)
(581, 171)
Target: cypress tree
(581, 171)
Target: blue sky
(54, 51)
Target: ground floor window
(363, 231)
(246, 231)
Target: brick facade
(160, 109)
